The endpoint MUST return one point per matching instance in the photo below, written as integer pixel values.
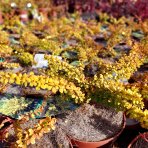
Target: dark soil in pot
(124, 140)
(140, 143)
(92, 123)
(53, 139)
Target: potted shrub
(32, 131)
(90, 75)
(89, 126)
(71, 89)
(5, 125)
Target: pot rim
(7, 118)
(5, 129)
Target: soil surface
(54, 139)
(92, 123)
(141, 143)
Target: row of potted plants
(28, 10)
(77, 76)
(55, 138)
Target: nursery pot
(24, 15)
(5, 119)
(143, 136)
(7, 123)
(85, 144)
(1, 18)
(10, 141)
